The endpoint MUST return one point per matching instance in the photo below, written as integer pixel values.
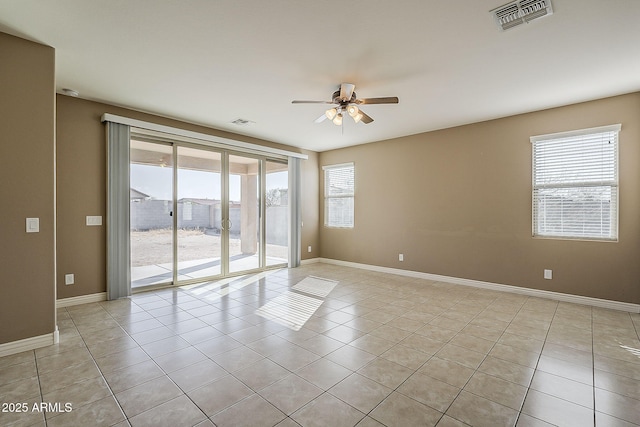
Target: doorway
(203, 213)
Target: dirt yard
(154, 246)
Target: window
(338, 195)
(575, 184)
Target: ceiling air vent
(241, 122)
(521, 12)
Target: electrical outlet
(400, 257)
(69, 279)
(548, 274)
(309, 249)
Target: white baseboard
(310, 261)
(576, 299)
(26, 344)
(82, 299)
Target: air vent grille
(242, 122)
(521, 12)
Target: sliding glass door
(200, 213)
(151, 213)
(244, 214)
(199, 218)
(276, 213)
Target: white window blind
(575, 184)
(339, 192)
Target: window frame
(614, 184)
(327, 169)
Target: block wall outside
(154, 214)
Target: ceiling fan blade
(311, 102)
(320, 119)
(384, 100)
(366, 119)
(346, 91)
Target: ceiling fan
(347, 102)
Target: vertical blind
(118, 220)
(295, 212)
(575, 184)
(339, 191)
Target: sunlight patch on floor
(213, 291)
(290, 309)
(634, 351)
(295, 307)
(315, 286)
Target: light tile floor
(381, 350)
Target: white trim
(82, 299)
(576, 299)
(338, 166)
(26, 344)
(311, 261)
(600, 129)
(106, 117)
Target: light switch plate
(69, 279)
(94, 220)
(33, 225)
(548, 274)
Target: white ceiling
(213, 61)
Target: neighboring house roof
(137, 195)
(200, 201)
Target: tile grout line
(487, 355)
(208, 357)
(294, 373)
(156, 364)
(434, 355)
(112, 394)
(425, 362)
(535, 369)
(35, 360)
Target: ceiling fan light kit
(346, 100)
(355, 113)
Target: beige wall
(27, 119)
(82, 190)
(310, 206)
(457, 202)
